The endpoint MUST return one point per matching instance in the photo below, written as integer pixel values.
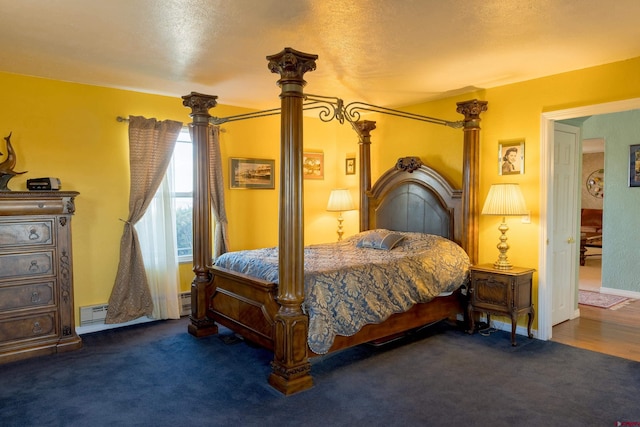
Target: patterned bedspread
(347, 287)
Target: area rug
(596, 299)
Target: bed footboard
(244, 304)
(440, 308)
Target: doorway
(591, 214)
(546, 276)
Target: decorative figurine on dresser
(7, 165)
(36, 273)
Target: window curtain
(151, 145)
(221, 237)
(158, 243)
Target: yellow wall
(69, 131)
(514, 112)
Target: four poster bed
(294, 311)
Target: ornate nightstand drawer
(34, 326)
(490, 290)
(26, 233)
(32, 264)
(27, 296)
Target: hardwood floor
(613, 332)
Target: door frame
(547, 122)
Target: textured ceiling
(389, 53)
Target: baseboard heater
(95, 314)
(185, 303)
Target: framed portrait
(252, 173)
(350, 166)
(634, 165)
(313, 165)
(511, 157)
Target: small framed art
(313, 165)
(634, 165)
(252, 173)
(511, 157)
(350, 166)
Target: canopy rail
(333, 108)
(353, 109)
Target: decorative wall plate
(595, 183)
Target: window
(182, 164)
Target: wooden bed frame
(271, 315)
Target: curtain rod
(126, 120)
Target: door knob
(570, 240)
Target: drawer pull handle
(33, 234)
(34, 266)
(35, 297)
(37, 329)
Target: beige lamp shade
(504, 200)
(340, 200)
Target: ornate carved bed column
(364, 128)
(470, 179)
(291, 368)
(200, 104)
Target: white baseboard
(520, 330)
(620, 293)
(103, 326)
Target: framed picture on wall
(511, 157)
(634, 165)
(252, 173)
(350, 166)
(313, 165)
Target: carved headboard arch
(435, 206)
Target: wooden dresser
(36, 274)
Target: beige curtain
(221, 237)
(151, 145)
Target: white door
(563, 239)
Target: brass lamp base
(503, 263)
(340, 229)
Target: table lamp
(340, 201)
(505, 200)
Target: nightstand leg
(532, 313)
(470, 320)
(514, 321)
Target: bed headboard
(413, 197)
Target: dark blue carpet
(158, 375)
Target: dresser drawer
(26, 233)
(490, 290)
(32, 264)
(30, 295)
(35, 326)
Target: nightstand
(501, 292)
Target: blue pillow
(380, 239)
